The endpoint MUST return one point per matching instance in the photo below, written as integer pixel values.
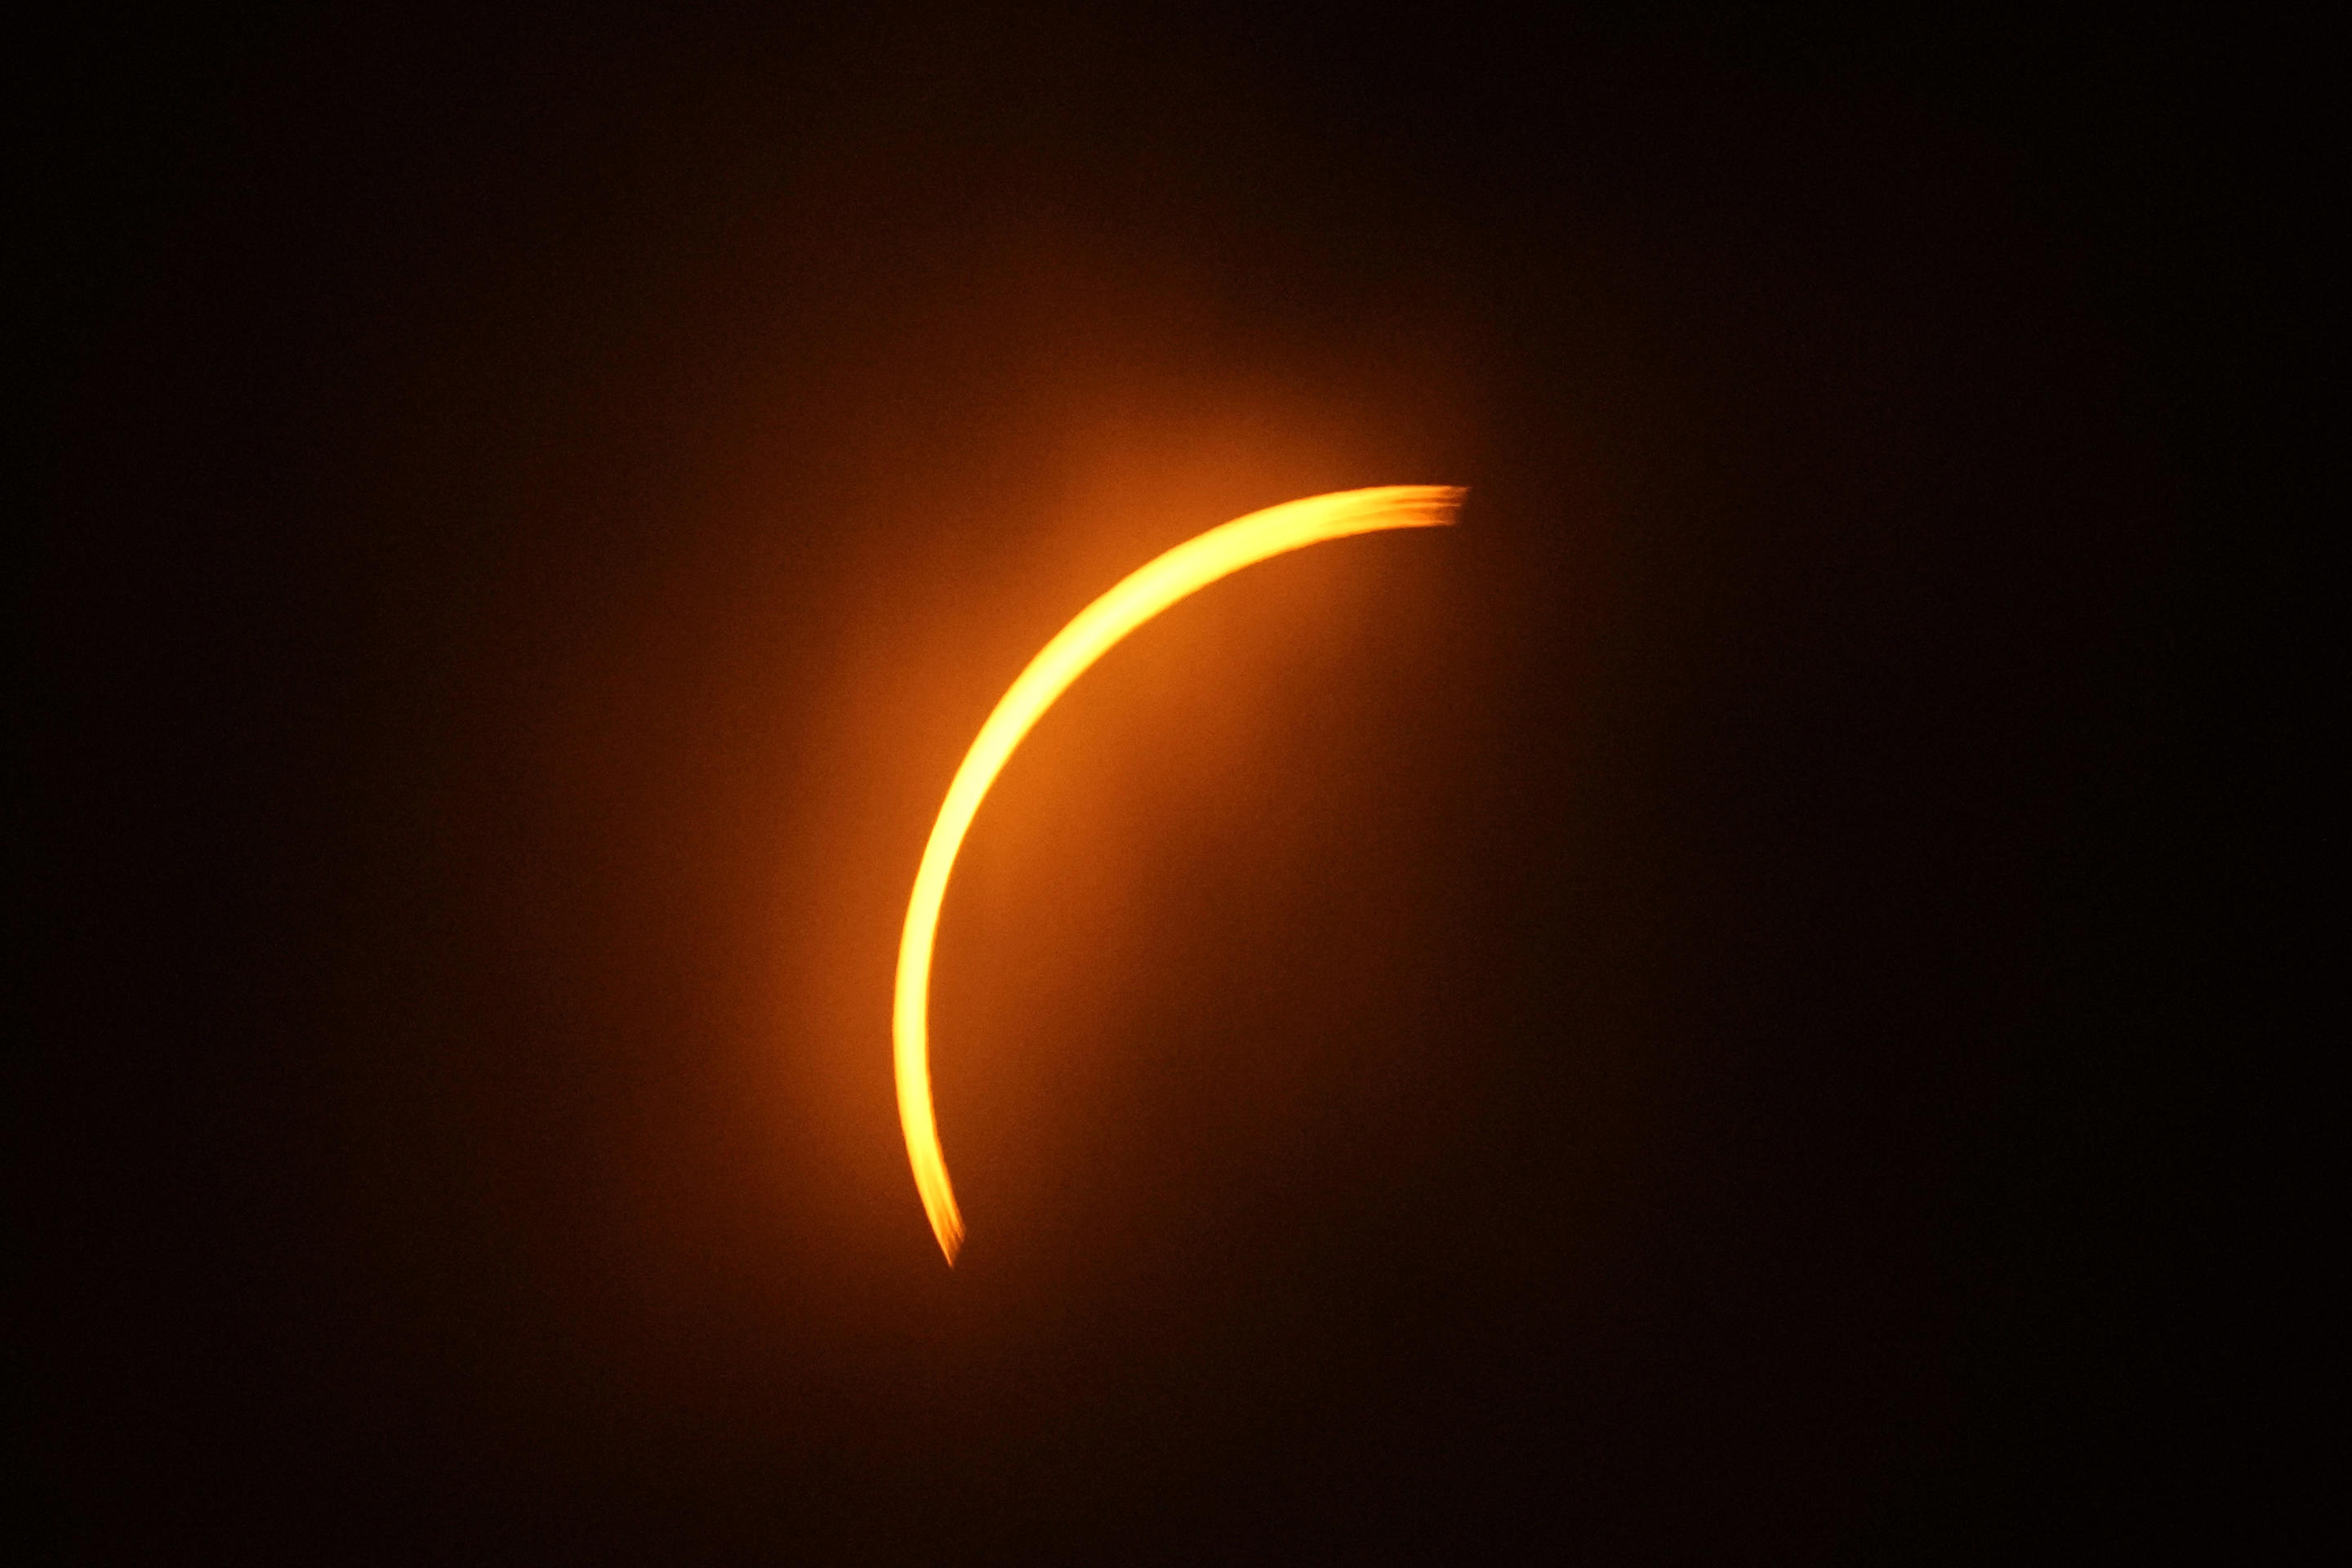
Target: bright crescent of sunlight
(1185, 570)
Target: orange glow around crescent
(1186, 569)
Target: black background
(1661, 1023)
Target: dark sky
(1656, 1024)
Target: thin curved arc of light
(1094, 631)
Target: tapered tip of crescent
(1438, 503)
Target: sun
(1095, 630)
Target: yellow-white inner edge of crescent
(1186, 569)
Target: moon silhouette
(1143, 593)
